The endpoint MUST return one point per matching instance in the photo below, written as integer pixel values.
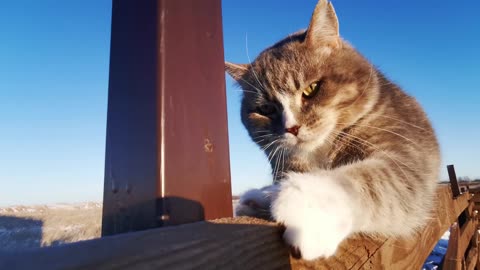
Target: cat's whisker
(269, 158)
(274, 172)
(386, 130)
(283, 162)
(359, 140)
(366, 86)
(367, 143)
(276, 166)
(401, 121)
(261, 132)
(388, 83)
(345, 142)
(262, 136)
(271, 143)
(245, 91)
(273, 155)
(254, 87)
(251, 67)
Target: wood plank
(476, 197)
(453, 258)
(477, 267)
(474, 187)
(466, 234)
(237, 243)
(240, 243)
(412, 253)
(460, 240)
(472, 258)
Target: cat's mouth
(306, 141)
(299, 141)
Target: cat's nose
(293, 130)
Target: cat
(350, 151)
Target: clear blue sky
(54, 77)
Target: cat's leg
(321, 208)
(316, 211)
(256, 202)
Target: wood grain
(238, 243)
(453, 259)
(472, 257)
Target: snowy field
(38, 226)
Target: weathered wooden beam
(474, 187)
(167, 159)
(453, 259)
(472, 258)
(460, 239)
(462, 251)
(238, 243)
(466, 234)
(476, 197)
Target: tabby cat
(350, 151)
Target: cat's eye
(311, 90)
(266, 109)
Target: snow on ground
(24, 227)
(435, 258)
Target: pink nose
(293, 130)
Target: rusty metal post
(167, 157)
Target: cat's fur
(365, 158)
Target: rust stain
(208, 146)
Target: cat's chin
(290, 139)
(304, 145)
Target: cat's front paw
(256, 202)
(316, 212)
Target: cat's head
(304, 89)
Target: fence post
(462, 219)
(453, 181)
(167, 159)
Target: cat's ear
(236, 70)
(323, 26)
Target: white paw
(316, 212)
(256, 202)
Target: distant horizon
(54, 66)
(101, 199)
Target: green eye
(311, 90)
